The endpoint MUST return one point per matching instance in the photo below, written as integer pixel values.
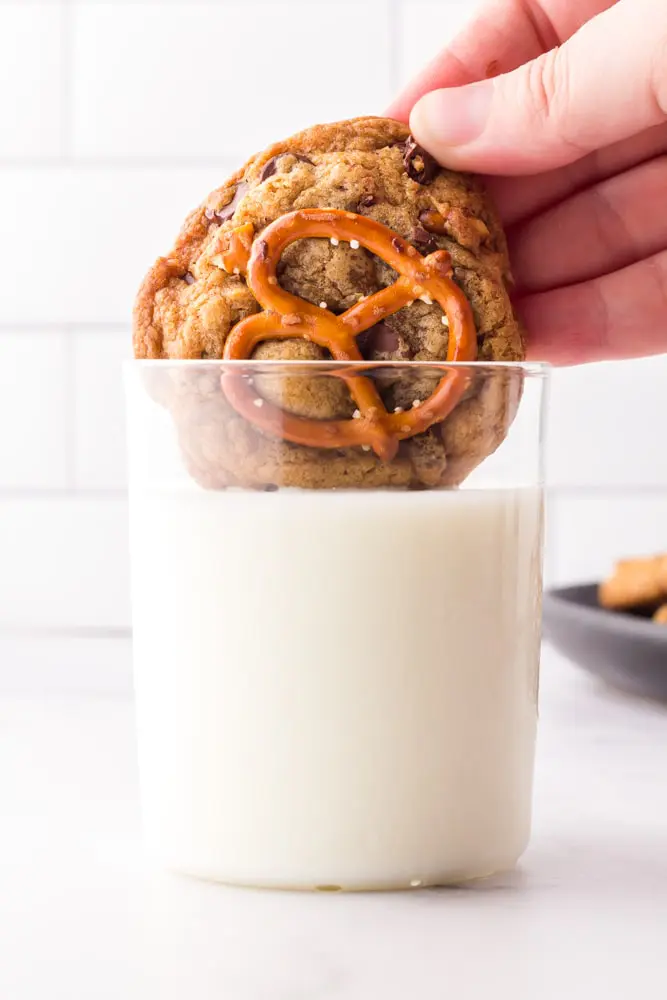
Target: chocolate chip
(262, 250)
(423, 239)
(188, 278)
(397, 244)
(268, 169)
(419, 164)
(378, 339)
(225, 213)
(270, 166)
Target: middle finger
(519, 198)
(609, 226)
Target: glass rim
(536, 369)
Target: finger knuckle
(547, 82)
(546, 87)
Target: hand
(564, 103)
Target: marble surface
(83, 918)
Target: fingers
(502, 36)
(518, 198)
(603, 229)
(608, 82)
(621, 315)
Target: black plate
(626, 650)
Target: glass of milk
(335, 688)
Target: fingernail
(453, 117)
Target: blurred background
(115, 120)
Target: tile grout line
(66, 83)
(71, 409)
(611, 489)
(128, 163)
(8, 632)
(96, 327)
(47, 495)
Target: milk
(336, 689)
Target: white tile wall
(115, 119)
(64, 563)
(31, 106)
(592, 530)
(33, 410)
(187, 71)
(605, 425)
(76, 238)
(419, 43)
(99, 430)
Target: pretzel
(287, 316)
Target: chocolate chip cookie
(192, 299)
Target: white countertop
(82, 918)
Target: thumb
(607, 82)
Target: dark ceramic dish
(626, 650)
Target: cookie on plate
(660, 616)
(635, 584)
(192, 299)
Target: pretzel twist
(286, 316)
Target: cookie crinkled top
(188, 303)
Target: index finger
(499, 38)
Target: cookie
(635, 584)
(191, 300)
